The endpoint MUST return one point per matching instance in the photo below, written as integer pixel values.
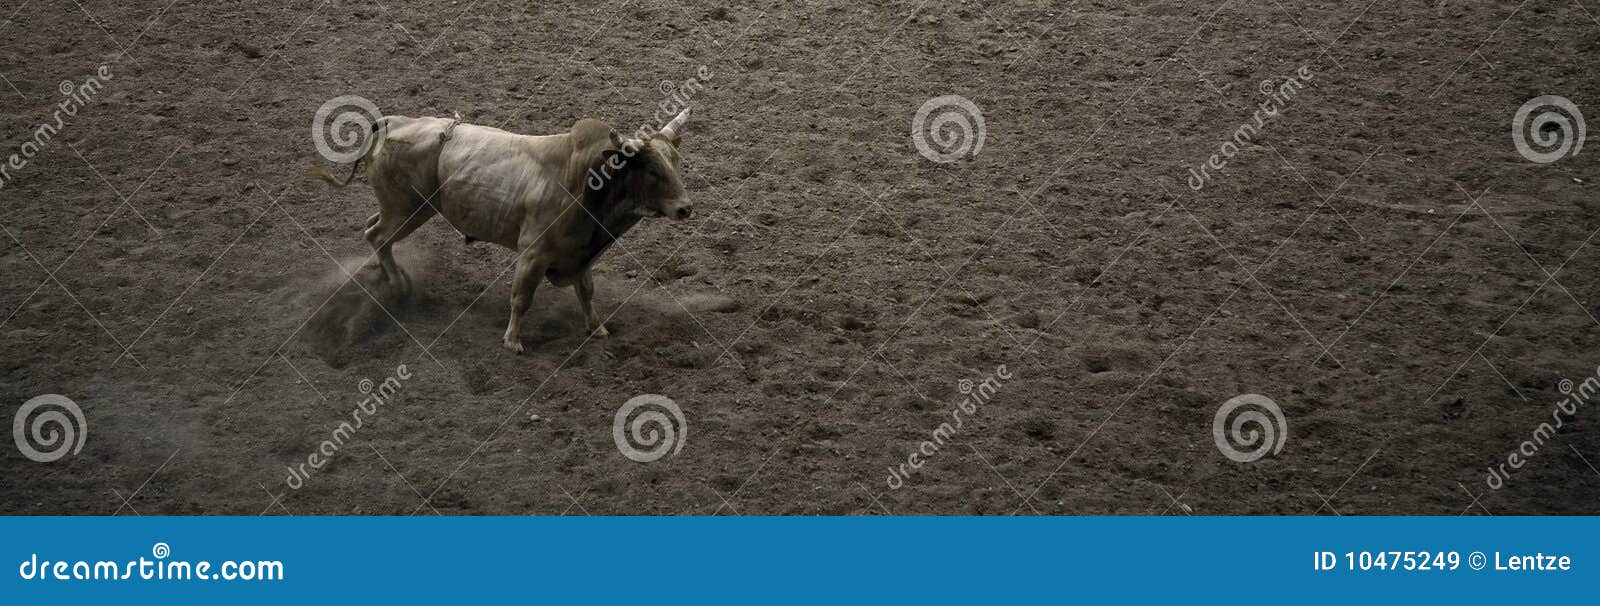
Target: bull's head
(648, 174)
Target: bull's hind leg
(390, 227)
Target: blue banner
(796, 560)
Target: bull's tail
(318, 171)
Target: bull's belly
(487, 194)
(562, 278)
(563, 271)
(487, 220)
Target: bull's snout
(678, 210)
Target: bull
(559, 200)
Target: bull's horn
(672, 128)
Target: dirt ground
(1380, 261)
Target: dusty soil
(815, 319)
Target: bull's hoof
(512, 344)
(600, 332)
(396, 281)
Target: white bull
(557, 200)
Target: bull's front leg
(530, 270)
(584, 287)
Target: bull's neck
(614, 216)
(608, 221)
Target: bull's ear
(673, 131)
